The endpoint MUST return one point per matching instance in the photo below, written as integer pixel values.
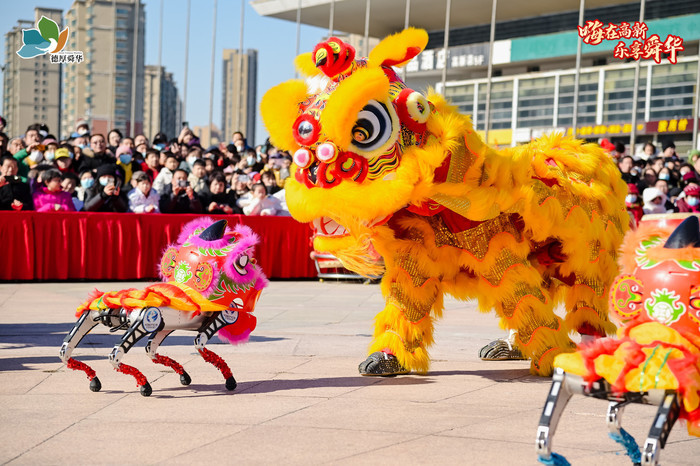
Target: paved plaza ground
(299, 399)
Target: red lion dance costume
(655, 358)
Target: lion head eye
(306, 130)
(373, 127)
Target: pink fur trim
(235, 339)
(245, 245)
(239, 332)
(261, 280)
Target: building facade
(160, 106)
(31, 87)
(240, 77)
(106, 90)
(532, 88)
(533, 61)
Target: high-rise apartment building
(106, 89)
(239, 84)
(32, 86)
(160, 106)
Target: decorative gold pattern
(595, 284)
(460, 161)
(588, 305)
(595, 250)
(408, 346)
(505, 260)
(413, 311)
(510, 303)
(410, 265)
(567, 201)
(475, 240)
(528, 326)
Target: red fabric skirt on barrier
(108, 246)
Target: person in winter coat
(143, 198)
(105, 194)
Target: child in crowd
(198, 177)
(258, 202)
(143, 199)
(165, 175)
(50, 195)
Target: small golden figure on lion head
(398, 182)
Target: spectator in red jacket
(633, 202)
(691, 201)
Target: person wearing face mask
(633, 203)
(124, 158)
(64, 160)
(143, 198)
(86, 181)
(253, 161)
(654, 201)
(51, 145)
(105, 195)
(691, 200)
(239, 140)
(193, 153)
(82, 129)
(50, 197)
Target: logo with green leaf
(42, 40)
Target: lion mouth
(326, 226)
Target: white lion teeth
(325, 226)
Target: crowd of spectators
(111, 173)
(97, 173)
(658, 182)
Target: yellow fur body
(506, 191)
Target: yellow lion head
(354, 129)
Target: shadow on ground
(52, 335)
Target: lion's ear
(398, 49)
(304, 63)
(279, 109)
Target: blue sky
(274, 39)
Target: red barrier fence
(107, 246)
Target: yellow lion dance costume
(400, 183)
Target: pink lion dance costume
(210, 285)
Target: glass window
(462, 96)
(619, 93)
(587, 99)
(672, 91)
(536, 102)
